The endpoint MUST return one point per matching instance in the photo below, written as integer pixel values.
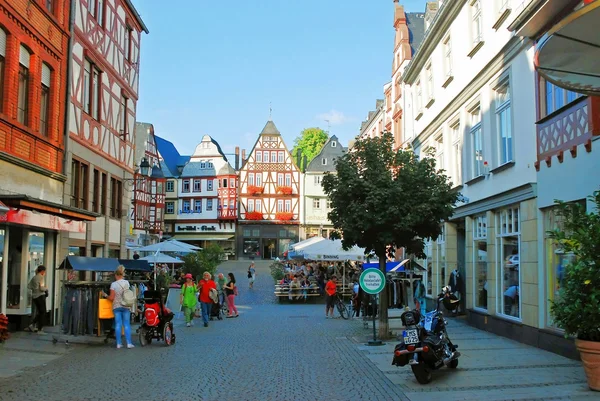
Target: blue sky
(213, 67)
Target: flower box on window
(284, 216)
(254, 216)
(284, 190)
(254, 190)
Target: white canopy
(184, 244)
(167, 246)
(332, 250)
(161, 258)
(303, 244)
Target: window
(96, 190)
(259, 156)
(476, 22)
(91, 89)
(280, 206)
(509, 261)
(266, 156)
(250, 205)
(288, 180)
(87, 82)
(447, 57)
(104, 197)
(333, 144)
(476, 142)
(280, 179)
(480, 261)
(79, 184)
(288, 206)
(329, 205)
(280, 157)
(456, 154)
(273, 157)
(45, 99)
(419, 100)
(170, 207)
(49, 6)
(128, 43)
(224, 183)
(258, 205)
(231, 204)
(170, 186)
(209, 185)
(317, 180)
(124, 117)
(439, 149)
(429, 74)
(557, 97)
(202, 164)
(209, 205)
(116, 198)
(316, 203)
(92, 7)
(186, 206)
(96, 82)
(441, 260)
(504, 121)
(324, 161)
(198, 206)
(100, 16)
(2, 63)
(259, 179)
(23, 99)
(185, 186)
(250, 178)
(197, 186)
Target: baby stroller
(215, 311)
(156, 321)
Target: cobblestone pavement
(271, 352)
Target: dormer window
(202, 164)
(324, 161)
(333, 144)
(210, 165)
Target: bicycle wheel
(341, 307)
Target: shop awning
(42, 206)
(569, 54)
(211, 237)
(138, 265)
(83, 263)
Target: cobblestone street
(291, 352)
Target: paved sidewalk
(491, 368)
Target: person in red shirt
(330, 290)
(204, 286)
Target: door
(269, 248)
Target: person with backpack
(39, 292)
(204, 287)
(188, 299)
(122, 298)
(251, 274)
(231, 292)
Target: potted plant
(277, 271)
(576, 309)
(254, 190)
(254, 216)
(284, 190)
(285, 216)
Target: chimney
(237, 158)
(243, 156)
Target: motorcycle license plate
(411, 337)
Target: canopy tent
(83, 263)
(296, 249)
(332, 250)
(161, 258)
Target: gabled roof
(270, 129)
(170, 157)
(194, 169)
(328, 152)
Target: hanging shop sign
(42, 220)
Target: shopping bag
(105, 309)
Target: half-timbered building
(269, 198)
(105, 63)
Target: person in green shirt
(221, 281)
(188, 299)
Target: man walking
(204, 286)
(331, 290)
(39, 292)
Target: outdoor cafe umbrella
(165, 246)
(162, 258)
(184, 244)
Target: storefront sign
(42, 220)
(372, 281)
(203, 228)
(208, 228)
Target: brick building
(34, 46)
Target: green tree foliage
(277, 271)
(205, 260)
(381, 197)
(577, 308)
(309, 144)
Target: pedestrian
(330, 289)
(251, 274)
(231, 292)
(39, 293)
(188, 299)
(221, 281)
(204, 286)
(122, 313)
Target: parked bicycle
(341, 307)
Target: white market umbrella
(162, 258)
(184, 244)
(166, 246)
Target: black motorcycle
(426, 345)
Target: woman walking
(230, 292)
(188, 299)
(251, 274)
(122, 313)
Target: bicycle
(341, 307)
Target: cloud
(334, 117)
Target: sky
(216, 67)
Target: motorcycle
(426, 345)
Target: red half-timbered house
(105, 63)
(269, 198)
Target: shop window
(251, 246)
(36, 258)
(509, 262)
(480, 258)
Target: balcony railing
(567, 129)
(228, 214)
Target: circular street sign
(372, 281)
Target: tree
(309, 144)
(384, 200)
(205, 260)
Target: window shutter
(2, 43)
(24, 57)
(46, 75)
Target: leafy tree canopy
(383, 197)
(309, 143)
(205, 260)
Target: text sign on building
(372, 281)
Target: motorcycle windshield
(428, 320)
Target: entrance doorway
(269, 248)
